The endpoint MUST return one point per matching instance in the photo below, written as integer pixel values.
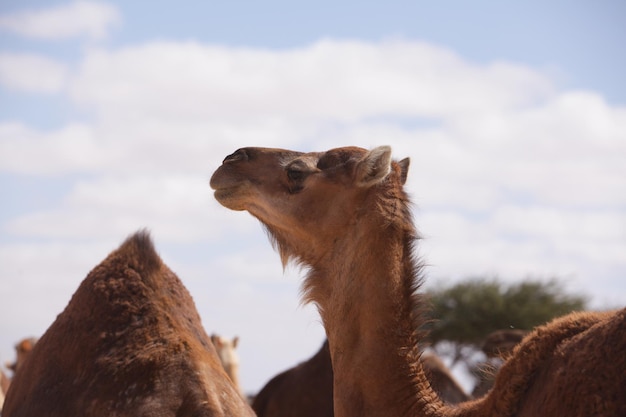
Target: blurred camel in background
(306, 390)
(227, 352)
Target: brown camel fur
(306, 390)
(344, 215)
(129, 343)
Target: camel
(497, 347)
(129, 343)
(22, 350)
(306, 390)
(226, 350)
(441, 380)
(500, 343)
(344, 215)
(4, 386)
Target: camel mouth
(229, 197)
(225, 192)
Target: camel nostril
(238, 155)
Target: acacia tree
(465, 313)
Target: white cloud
(32, 73)
(25, 150)
(585, 248)
(566, 150)
(553, 236)
(499, 134)
(78, 18)
(167, 113)
(177, 208)
(38, 280)
(134, 147)
(329, 80)
(566, 225)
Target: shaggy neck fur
(369, 280)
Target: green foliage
(465, 313)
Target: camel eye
(295, 174)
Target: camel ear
(235, 341)
(404, 169)
(374, 167)
(216, 340)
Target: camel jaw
(232, 197)
(230, 191)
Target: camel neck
(370, 319)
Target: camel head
(22, 350)
(305, 199)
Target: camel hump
(139, 253)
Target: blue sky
(113, 116)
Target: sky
(114, 115)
